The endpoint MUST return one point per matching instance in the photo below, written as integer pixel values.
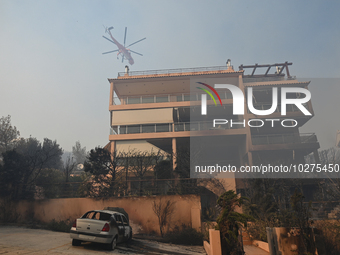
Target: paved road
(17, 240)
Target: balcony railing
(284, 139)
(170, 127)
(164, 98)
(173, 71)
(289, 107)
(204, 125)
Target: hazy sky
(53, 76)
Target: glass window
(162, 128)
(114, 130)
(148, 128)
(122, 130)
(193, 97)
(133, 129)
(146, 100)
(162, 99)
(125, 222)
(186, 97)
(179, 98)
(118, 219)
(179, 127)
(89, 215)
(222, 94)
(133, 100)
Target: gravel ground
(18, 240)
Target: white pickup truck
(101, 226)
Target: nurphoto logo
(238, 104)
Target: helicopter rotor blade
(109, 51)
(109, 39)
(125, 36)
(136, 42)
(136, 53)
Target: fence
(122, 188)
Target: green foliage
(185, 235)
(8, 134)
(48, 180)
(100, 163)
(229, 222)
(163, 170)
(22, 166)
(300, 218)
(103, 179)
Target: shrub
(60, 226)
(185, 235)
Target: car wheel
(76, 242)
(113, 244)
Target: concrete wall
(142, 217)
(214, 245)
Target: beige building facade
(152, 111)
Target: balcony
(169, 127)
(284, 139)
(177, 71)
(289, 107)
(165, 98)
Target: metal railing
(171, 127)
(164, 98)
(284, 138)
(173, 71)
(123, 188)
(267, 106)
(204, 125)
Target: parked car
(101, 226)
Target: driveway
(18, 240)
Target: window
(118, 219)
(133, 129)
(148, 100)
(148, 128)
(89, 215)
(162, 99)
(162, 128)
(133, 100)
(125, 222)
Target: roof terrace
(176, 72)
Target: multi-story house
(162, 110)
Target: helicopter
(122, 50)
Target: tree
(68, 167)
(105, 179)
(301, 218)
(163, 170)
(23, 165)
(229, 222)
(8, 134)
(142, 162)
(79, 153)
(13, 172)
(163, 210)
